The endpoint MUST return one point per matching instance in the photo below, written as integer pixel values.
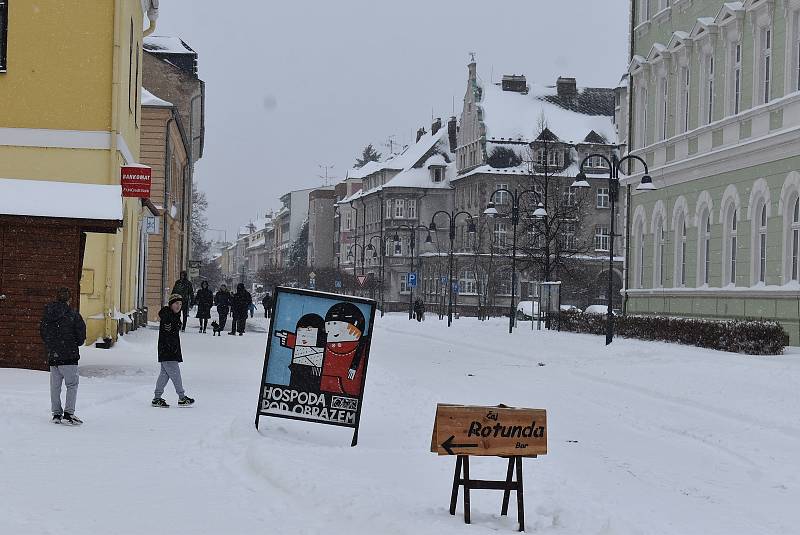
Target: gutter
(627, 263)
(164, 232)
(152, 15)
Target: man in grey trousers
(63, 332)
(169, 353)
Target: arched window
(762, 245)
(682, 247)
(707, 250)
(660, 241)
(732, 244)
(795, 245)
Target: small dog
(215, 328)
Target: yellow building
(70, 111)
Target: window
(644, 10)
(500, 233)
(389, 209)
(732, 244)
(684, 101)
(680, 254)
(404, 287)
(795, 48)
(642, 105)
(602, 198)
(130, 69)
(399, 209)
(551, 158)
(437, 174)
(504, 283)
(568, 229)
(501, 197)
(602, 238)
(596, 162)
(348, 221)
(468, 282)
(765, 66)
(709, 88)
(707, 250)
(795, 245)
(762, 245)
(736, 78)
(661, 241)
(411, 208)
(3, 35)
(569, 196)
(664, 118)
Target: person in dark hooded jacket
(204, 301)
(184, 288)
(63, 332)
(223, 300)
(241, 307)
(169, 352)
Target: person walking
(223, 300)
(204, 301)
(419, 310)
(241, 306)
(169, 353)
(266, 302)
(184, 288)
(63, 331)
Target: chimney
(515, 83)
(421, 132)
(566, 87)
(436, 126)
(452, 131)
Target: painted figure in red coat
(343, 363)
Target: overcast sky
(294, 85)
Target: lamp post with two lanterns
(452, 217)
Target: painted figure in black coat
(223, 300)
(184, 288)
(241, 306)
(204, 301)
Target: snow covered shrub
(752, 337)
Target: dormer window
(548, 157)
(596, 162)
(437, 174)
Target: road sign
(312, 283)
(152, 224)
(338, 283)
(443, 279)
(194, 268)
(489, 431)
(361, 279)
(455, 287)
(412, 279)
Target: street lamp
(432, 228)
(412, 230)
(351, 256)
(646, 184)
(491, 211)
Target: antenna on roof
(472, 57)
(390, 143)
(325, 176)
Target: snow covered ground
(644, 438)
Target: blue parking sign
(455, 287)
(443, 279)
(412, 279)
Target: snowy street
(644, 438)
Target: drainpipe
(152, 16)
(190, 177)
(165, 210)
(626, 263)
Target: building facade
(74, 117)
(715, 105)
(320, 230)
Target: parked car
(570, 308)
(526, 310)
(598, 309)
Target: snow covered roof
(512, 116)
(164, 44)
(149, 99)
(43, 198)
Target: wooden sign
(489, 431)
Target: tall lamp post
(452, 217)
(412, 230)
(646, 184)
(350, 255)
(538, 213)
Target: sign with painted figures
(489, 431)
(315, 366)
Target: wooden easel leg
(355, 438)
(507, 492)
(466, 490)
(456, 477)
(520, 499)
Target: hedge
(752, 337)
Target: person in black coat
(169, 352)
(63, 331)
(267, 304)
(223, 300)
(204, 301)
(241, 306)
(184, 288)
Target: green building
(714, 91)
